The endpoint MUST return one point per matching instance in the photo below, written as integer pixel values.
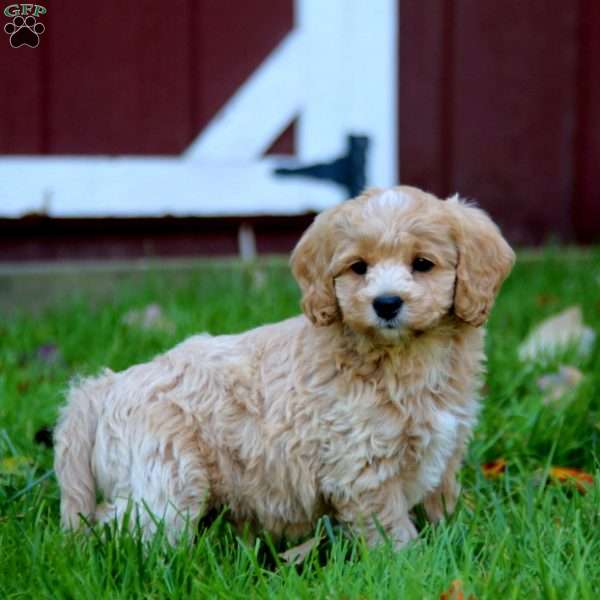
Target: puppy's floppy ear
(311, 266)
(484, 261)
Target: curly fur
(333, 412)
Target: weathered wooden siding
(499, 101)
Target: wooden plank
(423, 83)
(232, 39)
(513, 112)
(23, 77)
(120, 77)
(154, 187)
(40, 238)
(586, 201)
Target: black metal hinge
(349, 171)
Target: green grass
(512, 537)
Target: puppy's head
(392, 262)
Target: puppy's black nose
(387, 307)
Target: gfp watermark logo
(25, 28)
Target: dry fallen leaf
(556, 333)
(581, 479)
(149, 318)
(455, 592)
(13, 464)
(23, 386)
(297, 554)
(494, 469)
(544, 299)
(49, 354)
(558, 384)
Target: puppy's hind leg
(74, 439)
(167, 483)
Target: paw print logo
(24, 31)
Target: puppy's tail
(74, 438)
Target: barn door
(333, 77)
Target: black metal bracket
(349, 171)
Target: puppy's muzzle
(387, 307)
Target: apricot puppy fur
(361, 408)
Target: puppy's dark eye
(422, 265)
(359, 267)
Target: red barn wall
(499, 101)
(117, 77)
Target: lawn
(518, 535)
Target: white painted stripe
(259, 111)
(139, 187)
(350, 68)
(337, 71)
(371, 83)
(323, 124)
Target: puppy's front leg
(382, 508)
(442, 500)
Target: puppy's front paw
(442, 501)
(399, 534)
(403, 534)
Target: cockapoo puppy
(360, 409)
